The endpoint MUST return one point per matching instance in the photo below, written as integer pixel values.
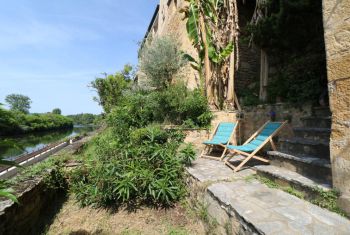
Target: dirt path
(74, 220)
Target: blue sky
(51, 50)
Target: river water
(10, 147)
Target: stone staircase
(303, 161)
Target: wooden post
(264, 74)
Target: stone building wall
(170, 22)
(249, 56)
(336, 21)
(255, 116)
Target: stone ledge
(292, 178)
(204, 170)
(250, 207)
(271, 211)
(307, 159)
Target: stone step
(258, 209)
(318, 122)
(309, 187)
(297, 146)
(313, 133)
(305, 165)
(321, 111)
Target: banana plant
(202, 18)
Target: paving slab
(272, 211)
(206, 170)
(291, 176)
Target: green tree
(18, 102)
(110, 88)
(160, 60)
(56, 111)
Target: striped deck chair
(254, 144)
(222, 136)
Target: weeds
(328, 200)
(177, 231)
(50, 170)
(321, 198)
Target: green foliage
(14, 122)
(300, 81)
(135, 160)
(56, 111)
(4, 190)
(328, 200)
(296, 46)
(209, 9)
(42, 122)
(17, 102)
(177, 231)
(176, 105)
(7, 193)
(110, 88)
(85, 119)
(126, 167)
(160, 60)
(322, 198)
(187, 154)
(8, 122)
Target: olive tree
(160, 60)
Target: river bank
(16, 145)
(46, 206)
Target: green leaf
(190, 58)
(192, 22)
(8, 194)
(226, 52)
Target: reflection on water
(14, 146)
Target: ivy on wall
(292, 34)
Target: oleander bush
(143, 165)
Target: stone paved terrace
(254, 208)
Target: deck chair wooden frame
(208, 147)
(251, 155)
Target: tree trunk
(207, 72)
(231, 81)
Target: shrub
(176, 105)
(160, 60)
(148, 169)
(111, 87)
(136, 161)
(14, 122)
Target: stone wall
(249, 56)
(336, 21)
(254, 117)
(170, 23)
(37, 206)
